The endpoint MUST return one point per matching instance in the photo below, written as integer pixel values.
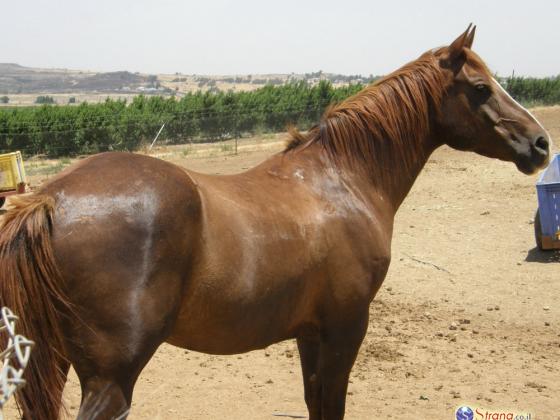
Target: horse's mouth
(531, 165)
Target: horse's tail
(30, 285)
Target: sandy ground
(468, 313)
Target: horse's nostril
(542, 144)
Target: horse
(122, 252)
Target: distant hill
(16, 79)
(21, 86)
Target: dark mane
(384, 124)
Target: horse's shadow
(536, 255)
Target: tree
(72, 100)
(4, 99)
(152, 80)
(44, 100)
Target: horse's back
(117, 173)
(142, 189)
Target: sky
(259, 36)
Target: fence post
(157, 135)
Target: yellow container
(12, 172)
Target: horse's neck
(395, 187)
(398, 189)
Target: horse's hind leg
(309, 356)
(108, 373)
(108, 359)
(110, 353)
(119, 334)
(104, 399)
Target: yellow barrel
(12, 172)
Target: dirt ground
(468, 313)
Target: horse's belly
(236, 334)
(225, 341)
(226, 322)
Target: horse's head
(478, 114)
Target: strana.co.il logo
(464, 413)
(478, 413)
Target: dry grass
(40, 169)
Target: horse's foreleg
(339, 348)
(309, 356)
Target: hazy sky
(257, 36)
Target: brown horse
(123, 252)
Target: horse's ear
(456, 47)
(455, 51)
(470, 38)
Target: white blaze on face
(499, 86)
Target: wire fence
(129, 132)
(14, 358)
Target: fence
(14, 358)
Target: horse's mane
(384, 124)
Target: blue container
(548, 192)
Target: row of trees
(534, 91)
(200, 116)
(40, 100)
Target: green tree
(44, 100)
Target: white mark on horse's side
(342, 198)
(299, 174)
(135, 208)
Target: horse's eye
(482, 88)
